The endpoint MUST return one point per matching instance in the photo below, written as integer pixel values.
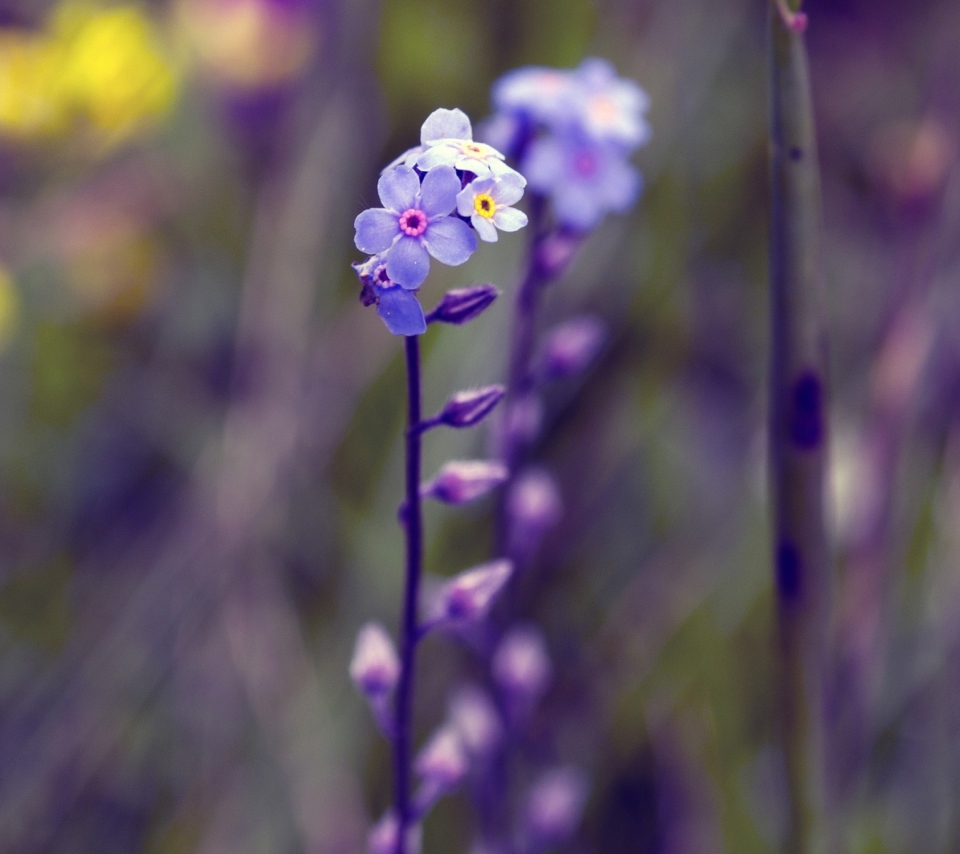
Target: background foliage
(199, 424)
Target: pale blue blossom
(415, 224)
(487, 201)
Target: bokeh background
(200, 424)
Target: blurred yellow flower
(31, 96)
(9, 309)
(105, 67)
(115, 73)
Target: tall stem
(412, 516)
(798, 432)
(523, 337)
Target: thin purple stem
(523, 335)
(412, 517)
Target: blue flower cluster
(572, 132)
(437, 198)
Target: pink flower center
(585, 163)
(413, 223)
(381, 278)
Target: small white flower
(487, 202)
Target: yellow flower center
(484, 205)
(603, 110)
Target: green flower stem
(798, 431)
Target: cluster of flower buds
(437, 199)
(521, 673)
(572, 132)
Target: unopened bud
(467, 597)
(463, 304)
(383, 837)
(374, 667)
(521, 665)
(463, 481)
(571, 346)
(555, 253)
(476, 720)
(442, 763)
(467, 408)
(555, 806)
(523, 420)
(534, 506)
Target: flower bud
(467, 597)
(523, 420)
(555, 806)
(467, 408)
(442, 763)
(383, 837)
(463, 481)
(374, 667)
(463, 304)
(571, 346)
(534, 506)
(521, 666)
(556, 252)
(477, 722)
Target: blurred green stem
(798, 437)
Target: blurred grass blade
(798, 429)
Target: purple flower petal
(596, 71)
(509, 219)
(449, 240)
(400, 310)
(545, 163)
(467, 163)
(438, 155)
(465, 201)
(408, 158)
(398, 189)
(449, 124)
(486, 230)
(508, 190)
(619, 184)
(408, 262)
(576, 205)
(376, 230)
(438, 194)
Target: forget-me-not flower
(609, 108)
(583, 179)
(415, 223)
(486, 201)
(447, 136)
(540, 94)
(399, 308)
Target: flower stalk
(798, 430)
(412, 516)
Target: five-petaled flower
(447, 137)
(487, 202)
(572, 131)
(415, 224)
(583, 179)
